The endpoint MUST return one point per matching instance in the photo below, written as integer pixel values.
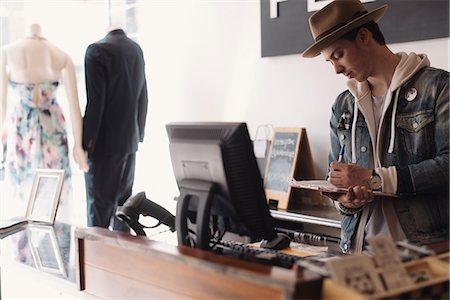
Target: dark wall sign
(285, 29)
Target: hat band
(336, 27)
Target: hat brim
(315, 49)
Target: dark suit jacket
(116, 87)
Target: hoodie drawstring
(355, 117)
(394, 113)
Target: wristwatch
(375, 181)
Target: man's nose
(338, 69)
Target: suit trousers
(109, 184)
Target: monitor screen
(221, 188)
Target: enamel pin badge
(411, 94)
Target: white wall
(204, 64)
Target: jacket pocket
(417, 134)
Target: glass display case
(39, 262)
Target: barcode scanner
(137, 205)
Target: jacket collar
(116, 32)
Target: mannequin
(113, 124)
(34, 66)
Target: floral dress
(37, 136)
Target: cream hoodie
(409, 64)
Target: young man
(394, 123)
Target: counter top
(39, 261)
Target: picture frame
(45, 195)
(45, 249)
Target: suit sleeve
(142, 111)
(96, 94)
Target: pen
(341, 153)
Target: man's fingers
(350, 194)
(357, 196)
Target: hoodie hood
(409, 64)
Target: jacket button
(342, 137)
(415, 124)
(363, 149)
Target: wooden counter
(122, 266)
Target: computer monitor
(221, 188)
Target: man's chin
(359, 79)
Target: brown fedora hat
(336, 19)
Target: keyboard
(254, 254)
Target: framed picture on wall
(45, 195)
(45, 249)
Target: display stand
(195, 196)
(290, 157)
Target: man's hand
(347, 175)
(356, 196)
(353, 177)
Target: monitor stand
(203, 192)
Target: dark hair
(372, 27)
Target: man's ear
(363, 36)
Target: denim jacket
(420, 154)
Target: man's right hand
(346, 175)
